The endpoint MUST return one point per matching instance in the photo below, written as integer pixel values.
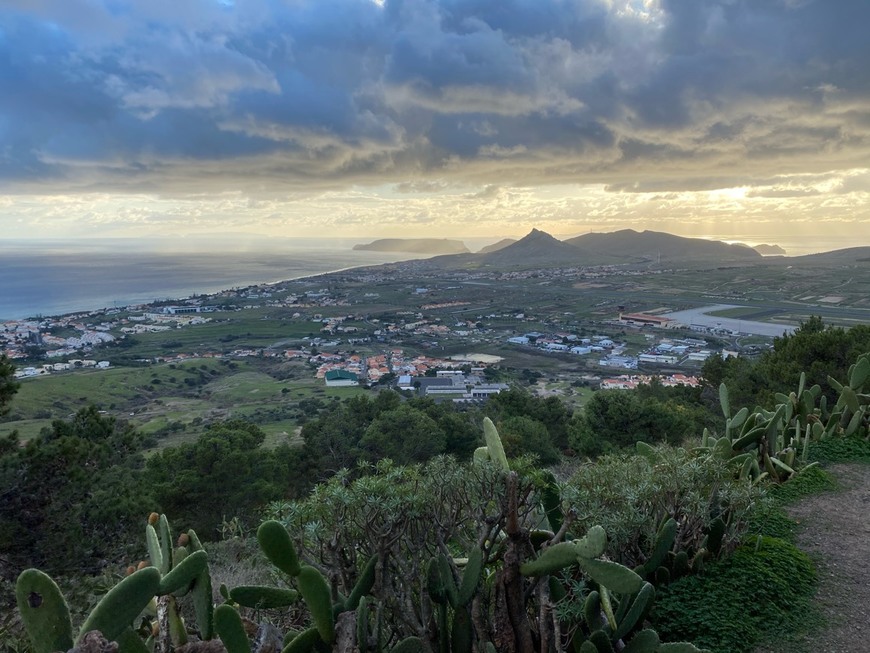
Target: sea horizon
(44, 278)
(49, 277)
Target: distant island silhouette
(415, 246)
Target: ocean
(54, 278)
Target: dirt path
(836, 532)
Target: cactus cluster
(615, 608)
(454, 634)
(851, 414)
(773, 444)
(326, 611)
(620, 600)
(665, 564)
(149, 591)
(46, 616)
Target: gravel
(835, 531)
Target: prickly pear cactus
(44, 612)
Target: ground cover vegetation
(711, 608)
(177, 399)
(408, 545)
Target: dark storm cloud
(193, 96)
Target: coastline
(37, 288)
(45, 278)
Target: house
(340, 378)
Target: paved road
(700, 316)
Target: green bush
(225, 472)
(630, 497)
(615, 419)
(70, 496)
(764, 590)
(405, 515)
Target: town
(457, 332)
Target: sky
(736, 119)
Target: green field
(256, 328)
(173, 402)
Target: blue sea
(54, 277)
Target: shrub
(405, 515)
(630, 497)
(763, 590)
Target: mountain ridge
(661, 246)
(539, 249)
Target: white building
(659, 359)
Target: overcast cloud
(272, 99)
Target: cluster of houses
(413, 374)
(565, 342)
(669, 352)
(630, 382)
(170, 317)
(49, 368)
(340, 369)
(18, 336)
(666, 351)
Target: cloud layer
(315, 96)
